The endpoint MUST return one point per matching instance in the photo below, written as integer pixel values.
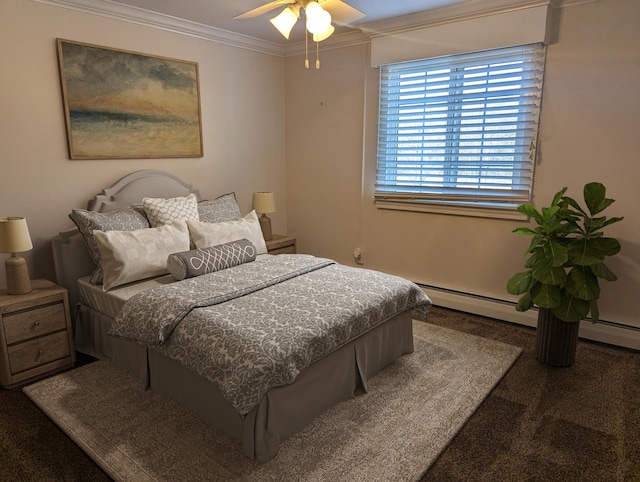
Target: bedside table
(281, 245)
(36, 337)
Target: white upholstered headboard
(70, 256)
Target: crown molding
(451, 13)
(337, 41)
(139, 16)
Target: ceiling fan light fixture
(285, 21)
(318, 19)
(324, 35)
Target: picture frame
(120, 104)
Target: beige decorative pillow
(129, 256)
(205, 235)
(164, 211)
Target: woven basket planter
(556, 340)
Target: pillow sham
(126, 219)
(208, 260)
(213, 234)
(164, 211)
(223, 208)
(129, 256)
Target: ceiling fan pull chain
(306, 49)
(317, 55)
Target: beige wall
(242, 101)
(590, 119)
(258, 110)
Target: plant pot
(556, 340)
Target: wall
(243, 129)
(590, 117)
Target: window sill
(453, 210)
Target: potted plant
(566, 261)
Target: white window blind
(460, 130)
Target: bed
(155, 342)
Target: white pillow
(134, 255)
(164, 211)
(205, 235)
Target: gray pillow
(201, 261)
(126, 219)
(223, 208)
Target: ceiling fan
(319, 16)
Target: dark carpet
(540, 423)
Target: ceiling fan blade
(341, 13)
(267, 7)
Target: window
(459, 131)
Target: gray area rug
(395, 432)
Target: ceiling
(220, 13)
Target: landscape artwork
(128, 105)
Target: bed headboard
(70, 256)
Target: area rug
(394, 432)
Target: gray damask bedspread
(257, 325)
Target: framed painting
(127, 105)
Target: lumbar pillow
(164, 211)
(126, 219)
(223, 208)
(213, 234)
(129, 256)
(208, 260)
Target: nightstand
(36, 337)
(281, 245)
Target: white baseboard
(604, 332)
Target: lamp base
(18, 282)
(265, 225)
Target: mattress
(111, 302)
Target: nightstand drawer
(35, 322)
(285, 250)
(38, 352)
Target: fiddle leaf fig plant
(567, 254)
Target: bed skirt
(283, 411)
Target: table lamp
(263, 203)
(14, 238)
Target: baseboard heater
(604, 331)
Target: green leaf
(534, 243)
(594, 197)
(524, 231)
(593, 224)
(546, 296)
(571, 308)
(550, 212)
(610, 246)
(519, 283)
(601, 271)
(595, 312)
(545, 272)
(586, 251)
(612, 220)
(582, 283)
(558, 196)
(573, 203)
(524, 303)
(555, 252)
(530, 211)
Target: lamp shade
(264, 202)
(14, 235)
(285, 21)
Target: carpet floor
(412, 411)
(539, 423)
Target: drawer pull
(36, 323)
